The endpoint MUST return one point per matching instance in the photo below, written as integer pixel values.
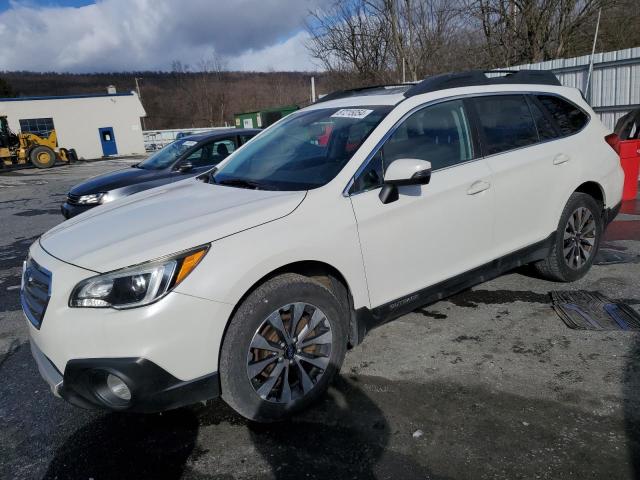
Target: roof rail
(352, 92)
(479, 77)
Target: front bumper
(69, 210)
(152, 388)
(167, 350)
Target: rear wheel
(577, 240)
(283, 346)
(42, 157)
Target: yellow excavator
(22, 148)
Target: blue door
(108, 140)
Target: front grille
(35, 292)
(73, 199)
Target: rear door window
(505, 122)
(569, 118)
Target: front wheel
(577, 240)
(283, 346)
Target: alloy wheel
(289, 352)
(579, 239)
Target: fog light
(118, 387)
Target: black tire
(558, 268)
(42, 157)
(72, 155)
(238, 390)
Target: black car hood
(118, 179)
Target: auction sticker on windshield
(352, 113)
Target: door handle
(561, 158)
(477, 187)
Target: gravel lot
(487, 384)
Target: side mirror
(404, 171)
(185, 166)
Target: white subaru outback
(252, 282)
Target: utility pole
(313, 89)
(139, 98)
(587, 89)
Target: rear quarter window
(569, 118)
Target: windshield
(168, 155)
(305, 151)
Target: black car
(186, 157)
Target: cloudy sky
(121, 35)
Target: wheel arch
(594, 189)
(324, 273)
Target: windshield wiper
(240, 183)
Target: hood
(117, 179)
(163, 221)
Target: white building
(95, 125)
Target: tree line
(177, 99)
(363, 42)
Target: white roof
(395, 98)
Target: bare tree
(419, 31)
(209, 89)
(528, 31)
(383, 39)
(350, 37)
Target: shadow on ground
(344, 435)
(128, 446)
(364, 428)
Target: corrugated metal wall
(615, 81)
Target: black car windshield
(169, 154)
(306, 150)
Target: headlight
(91, 199)
(136, 286)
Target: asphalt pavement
(487, 384)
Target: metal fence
(157, 139)
(615, 80)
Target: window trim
(475, 130)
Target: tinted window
(546, 130)
(506, 123)
(570, 119)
